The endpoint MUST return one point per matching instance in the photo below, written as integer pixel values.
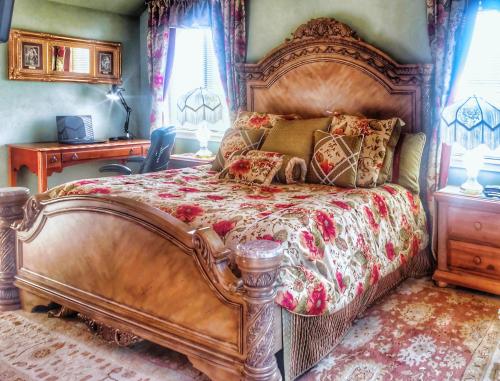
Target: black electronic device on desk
(76, 129)
(492, 191)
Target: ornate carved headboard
(325, 67)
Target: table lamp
(116, 94)
(472, 123)
(200, 107)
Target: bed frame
(144, 273)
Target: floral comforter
(338, 242)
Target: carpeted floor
(418, 332)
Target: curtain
(161, 46)
(228, 22)
(450, 27)
(226, 18)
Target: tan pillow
(385, 174)
(295, 137)
(406, 168)
(234, 141)
(293, 170)
(256, 120)
(255, 167)
(377, 134)
(335, 159)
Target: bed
(137, 254)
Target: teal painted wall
(397, 27)
(28, 109)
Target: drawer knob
(477, 260)
(74, 157)
(131, 151)
(53, 159)
(478, 226)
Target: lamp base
(204, 152)
(127, 136)
(471, 187)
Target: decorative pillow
(237, 140)
(256, 120)
(385, 174)
(292, 171)
(377, 134)
(256, 167)
(295, 137)
(406, 169)
(335, 159)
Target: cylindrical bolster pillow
(293, 170)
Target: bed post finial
(259, 263)
(12, 201)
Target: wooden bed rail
(48, 250)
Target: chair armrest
(118, 168)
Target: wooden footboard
(142, 271)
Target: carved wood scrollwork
(110, 334)
(259, 274)
(214, 260)
(31, 211)
(323, 28)
(12, 201)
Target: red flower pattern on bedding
(337, 242)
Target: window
(481, 74)
(195, 65)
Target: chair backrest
(162, 142)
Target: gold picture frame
(35, 56)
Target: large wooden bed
(145, 273)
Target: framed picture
(106, 63)
(32, 56)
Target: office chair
(162, 142)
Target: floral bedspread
(338, 242)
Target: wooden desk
(43, 159)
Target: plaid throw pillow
(235, 141)
(335, 159)
(377, 135)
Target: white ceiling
(123, 7)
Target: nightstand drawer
(476, 258)
(474, 225)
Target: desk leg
(42, 173)
(12, 175)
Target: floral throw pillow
(257, 120)
(335, 159)
(376, 138)
(234, 141)
(256, 167)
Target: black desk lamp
(116, 94)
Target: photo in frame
(32, 56)
(106, 63)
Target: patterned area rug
(419, 332)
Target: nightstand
(468, 234)
(183, 160)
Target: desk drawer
(476, 258)
(53, 160)
(468, 224)
(101, 154)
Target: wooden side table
(468, 240)
(183, 160)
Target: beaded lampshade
(199, 105)
(473, 124)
